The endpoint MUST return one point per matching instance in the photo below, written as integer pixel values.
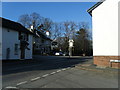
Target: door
(22, 53)
(8, 53)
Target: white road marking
(35, 78)
(58, 70)
(45, 75)
(72, 68)
(10, 87)
(68, 67)
(53, 73)
(64, 69)
(22, 83)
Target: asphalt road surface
(54, 72)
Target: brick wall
(104, 61)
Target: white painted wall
(105, 29)
(0, 43)
(9, 39)
(119, 28)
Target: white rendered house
(16, 41)
(41, 43)
(105, 33)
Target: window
(23, 36)
(16, 49)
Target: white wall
(9, 39)
(0, 43)
(105, 29)
(119, 28)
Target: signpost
(70, 47)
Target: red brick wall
(105, 61)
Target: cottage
(16, 41)
(105, 33)
(41, 44)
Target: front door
(22, 53)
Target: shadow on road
(41, 63)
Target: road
(54, 72)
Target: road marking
(35, 78)
(53, 73)
(45, 75)
(22, 83)
(64, 69)
(68, 67)
(72, 68)
(58, 70)
(10, 87)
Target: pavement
(71, 78)
(91, 67)
(57, 72)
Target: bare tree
(28, 20)
(25, 20)
(40, 23)
(69, 28)
(36, 19)
(84, 25)
(56, 30)
(47, 25)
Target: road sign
(71, 43)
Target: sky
(56, 11)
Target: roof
(18, 27)
(95, 6)
(14, 26)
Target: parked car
(59, 54)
